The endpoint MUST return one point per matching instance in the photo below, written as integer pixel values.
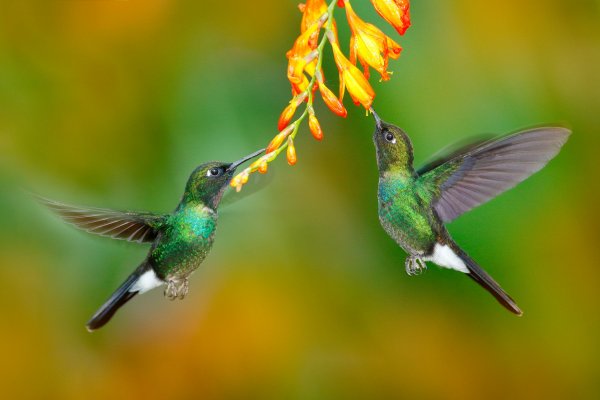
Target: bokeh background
(113, 103)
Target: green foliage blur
(113, 103)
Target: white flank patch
(146, 282)
(445, 257)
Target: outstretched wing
(130, 226)
(454, 150)
(477, 174)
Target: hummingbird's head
(209, 180)
(393, 147)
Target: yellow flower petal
(331, 101)
(395, 12)
(371, 45)
(358, 86)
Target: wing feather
(479, 173)
(130, 226)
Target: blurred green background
(113, 103)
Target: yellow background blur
(113, 103)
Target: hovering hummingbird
(180, 240)
(414, 205)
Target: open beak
(237, 163)
(378, 120)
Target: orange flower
(351, 78)
(259, 164)
(286, 115)
(291, 152)
(312, 11)
(240, 180)
(289, 111)
(254, 166)
(278, 140)
(275, 143)
(395, 12)
(297, 58)
(301, 87)
(262, 168)
(370, 44)
(315, 127)
(332, 102)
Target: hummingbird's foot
(176, 289)
(415, 265)
(183, 289)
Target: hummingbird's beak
(378, 121)
(237, 163)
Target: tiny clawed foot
(171, 290)
(176, 289)
(415, 265)
(183, 289)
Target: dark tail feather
(121, 296)
(487, 282)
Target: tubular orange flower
(254, 166)
(301, 87)
(312, 11)
(358, 86)
(303, 58)
(395, 12)
(286, 115)
(332, 102)
(275, 143)
(240, 180)
(370, 44)
(315, 127)
(262, 168)
(297, 55)
(291, 152)
(278, 140)
(290, 110)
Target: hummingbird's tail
(141, 280)
(486, 281)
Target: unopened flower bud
(291, 152)
(315, 127)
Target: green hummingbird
(414, 204)
(180, 240)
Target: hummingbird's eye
(390, 137)
(214, 172)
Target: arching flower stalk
(368, 45)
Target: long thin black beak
(237, 163)
(378, 121)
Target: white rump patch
(147, 281)
(445, 257)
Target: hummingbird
(180, 240)
(414, 204)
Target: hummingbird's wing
(477, 174)
(256, 184)
(452, 151)
(130, 226)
